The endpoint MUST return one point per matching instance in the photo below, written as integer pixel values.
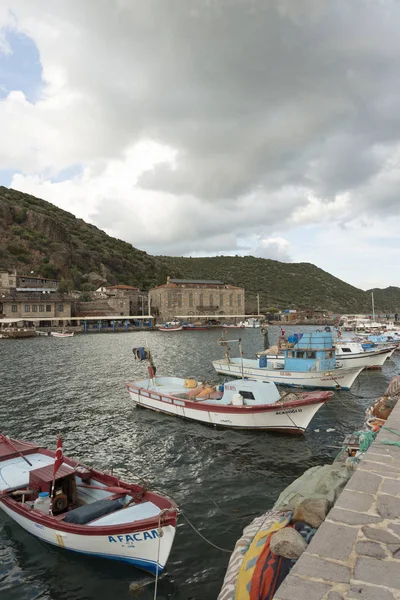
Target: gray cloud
(252, 94)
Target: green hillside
(37, 236)
(281, 285)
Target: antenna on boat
(224, 342)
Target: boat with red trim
(84, 510)
(241, 404)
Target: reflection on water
(222, 479)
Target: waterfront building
(28, 297)
(197, 298)
(125, 299)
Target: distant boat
(170, 328)
(193, 327)
(61, 335)
(241, 404)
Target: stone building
(28, 297)
(34, 305)
(186, 297)
(8, 280)
(125, 298)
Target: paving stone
(368, 592)
(370, 549)
(395, 550)
(395, 527)
(333, 541)
(355, 501)
(351, 517)
(390, 486)
(300, 589)
(380, 535)
(372, 570)
(388, 470)
(388, 506)
(313, 566)
(334, 596)
(364, 482)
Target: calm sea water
(221, 479)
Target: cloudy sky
(203, 127)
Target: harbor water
(221, 479)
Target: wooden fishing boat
(175, 328)
(241, 404)
(82, 509)
(58, 334)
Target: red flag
(59, 456)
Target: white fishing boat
(308, 362)
(170, 328)
(241, 404)
(351, 354)
(81, 509)
(355, 355)
(59, 334)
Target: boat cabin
(311, 351)
(65, 491)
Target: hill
(37, 236)
(281, 285)
(386, 300)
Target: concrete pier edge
(356, 551)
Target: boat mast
(373, 306)
(258, 305)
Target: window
(300, 354)
(329, 354)
(10, 282)
(290, 354)
(41, 307)
(27, 308)
(179, 298)
(34, 307)
(239, 299)
(230, 299)
(190, 299)
(201, 299)
(311, 354)
(211, 300)
(346, 349)
(13, 308)
(169, 299)
(60, 307)
(48, 307)
(221, 299)
(247, 395)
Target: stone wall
(356, 551)
(170, 301)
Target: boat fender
(190, 383)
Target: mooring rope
(202, 536)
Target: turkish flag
(59, 456)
